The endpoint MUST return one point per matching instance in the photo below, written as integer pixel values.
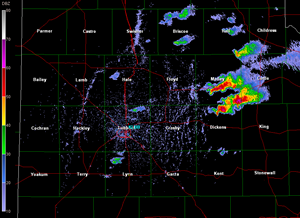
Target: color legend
(3, 111)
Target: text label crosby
(172, 128)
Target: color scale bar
(3, 111)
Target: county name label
(180, 31)
(39, 128)
(172, 128)
(81, 128)
(172, 79)
(216, 79)
(43, 31)
(80, 80)
(34, 79)
(39, 174)
(89, 31)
